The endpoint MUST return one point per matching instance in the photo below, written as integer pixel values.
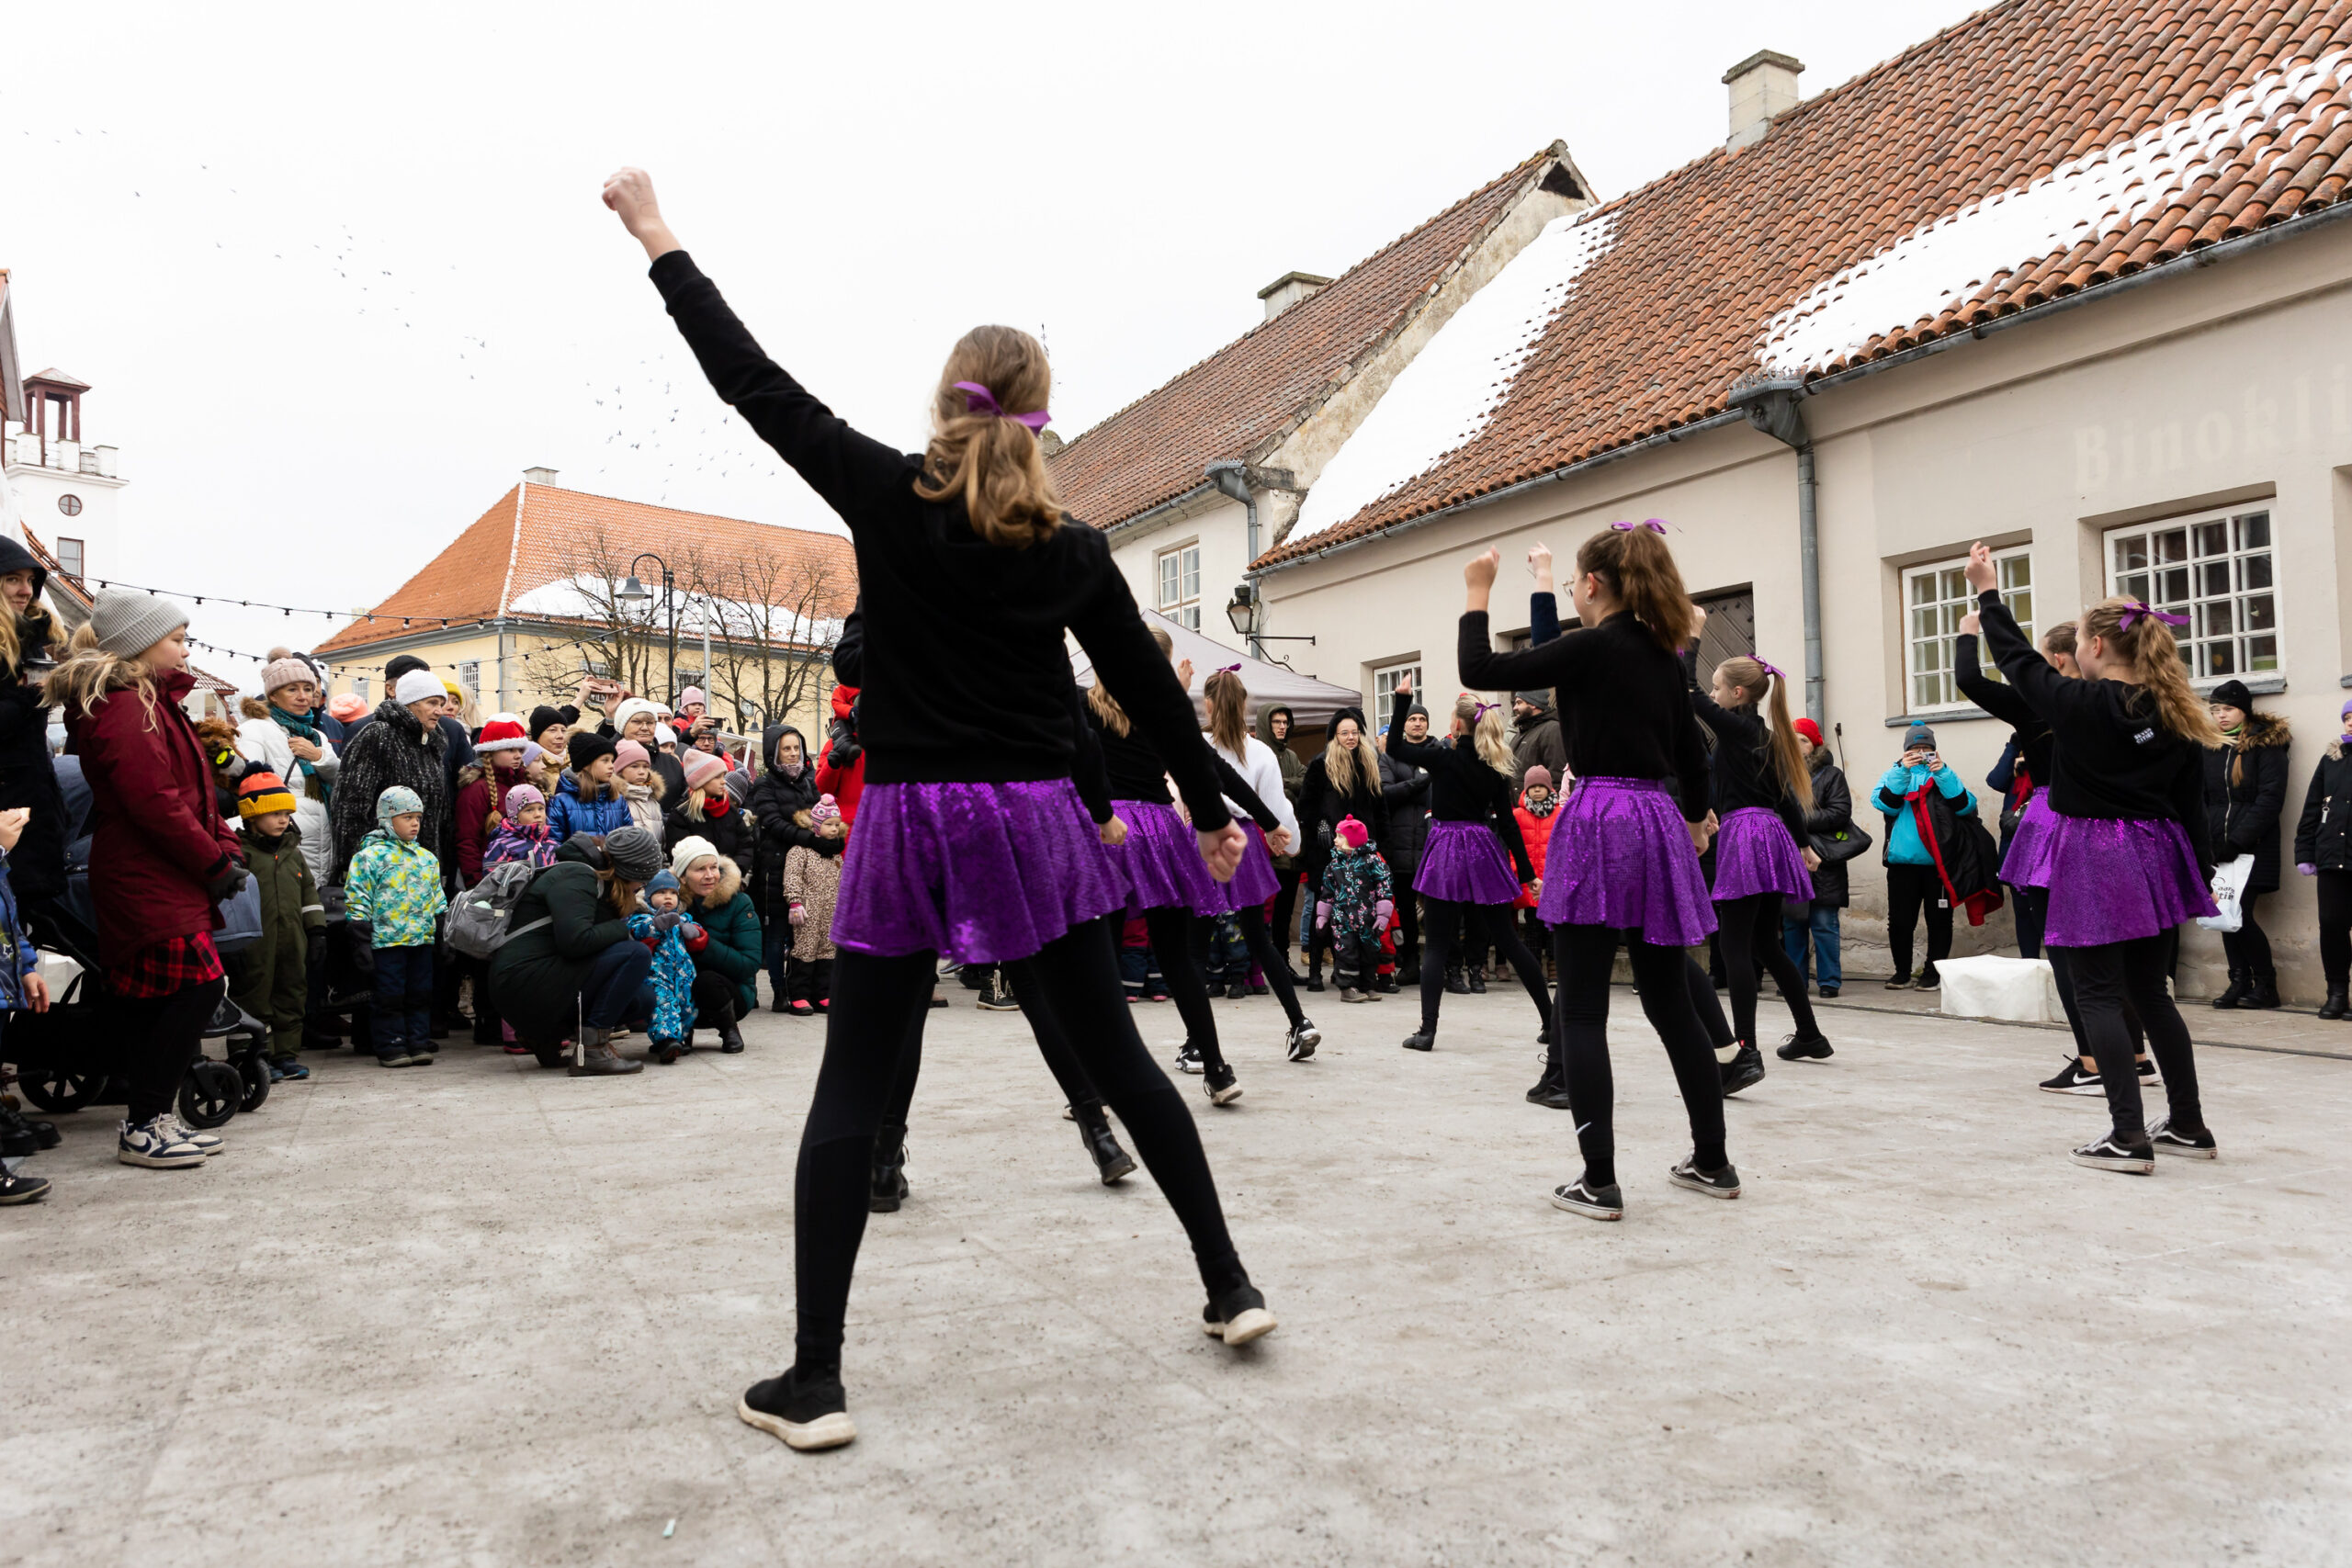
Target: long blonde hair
(1339, 761)
(12, 651)
(988, 460)
(1228, 728)
(1483, 722)
(2153, 656)
(1106, 706)
(1762, 687)
(90, 674)
(1641, 572)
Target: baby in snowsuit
(1358, 896)
(673, 938)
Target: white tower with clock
(65, 485)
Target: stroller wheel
(58, 1090)
(210, 1095)
(253, 1077)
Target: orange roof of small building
(60, 579)
(1245, 397)
(538, 535)
(2035, 150)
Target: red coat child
(1535, 825)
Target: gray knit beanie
(128, 623)
(635, 853)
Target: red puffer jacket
(156, 837)
(1537, 832)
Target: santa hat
(503, 735)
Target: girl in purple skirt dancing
(1622, 866)
(1762, 853)
(2126, 861)
(1463, 864)
(1255, 882)
(970, 838)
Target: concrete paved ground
(484, 1315)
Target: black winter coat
(1321, 809)
(535, 977)
(28, 777)
(2324, 837)
(2242, 812)
(730, 832)
(775, 801)
(1832, 812)
(393, 747)
(1405, 805)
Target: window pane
(1923, 587)
(2171, 544)
(2261, 613)
(2221, 659)
(2254, 531)
(2214, 620)
(2256, 572)
(2131, 552)
(2212, 539)
(2262, 653)
(2134, 587)
(2173, 585)
(2214, 578)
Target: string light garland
(289, 609)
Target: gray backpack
(480, 919)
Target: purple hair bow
(2136, 612)
(1769, 667)
(980, 399)
(1484, 709)
(1227, 669)
(1651, 523)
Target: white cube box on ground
(2015, 990)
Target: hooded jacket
(395, 886)
(1322, 807)
(1405, 797)
(480, 808)
(36, 865)
(1832, 812)
(2324, 837)
(734, 948)
(1538, 739)
(391, 747)
(571, 812)
(2246, 792)
(812, 879)
(535, 977)
(774, 801)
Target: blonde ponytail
(1763, 686)
(1641, 574)
(981, 456)
(2151, 654)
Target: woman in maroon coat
(161, 856)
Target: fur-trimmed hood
(731, 883)
(2264, 730)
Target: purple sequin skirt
(1466, 863)
(1254, 882)
(1620, 856)
(977, 873)
(1755, 854)
(2121, 879)
(2026, 865)
(1162, 862)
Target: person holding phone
(1914, 884)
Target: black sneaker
(1238, 992)
(1929, 980)
(1315, 980)
(2108, 1155)
(808, 1412)
(1798, 1046)
(1385, 984)
(1188, 1060)
(2148, 1078)
(1238, 1317)
(1581, 1196)
(1421, 1040)
(1744, 1071)
(1219, 1082)
(2188, 1145)
(1724, 1183)
(1900, 983)
(997, 997)
(22, 1189)
(1829, 993)
(2071, 1079)
(1300, 1042)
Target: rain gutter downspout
(1771, 406)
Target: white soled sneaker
(154, 1145)
(211, 1143)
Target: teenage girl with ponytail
(1761, 791)
(971, 840)
(1464, 872)
(2127, 862)
(1623, 861)
(1255, 882)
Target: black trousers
(1585, 955)
(1911, 890)
(716, 1003)
(161, 1038)
(1750, 930)
(877, 1002)
(1260, 940)
(2032, 906)
(2248, 948)
(2108, 979)
(1285, 911)
(1171, 943)
(1448, 915)
(1408, 923)
(2336, 927)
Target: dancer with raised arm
(970, 838)
(2128, 861)
(1624, 861)
(1474, 863)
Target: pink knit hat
(522, 796)
(1352, 833)
(629, 754)
(702, 767)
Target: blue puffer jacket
(1903, 845)
(568, 813)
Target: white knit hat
(417, 685)
(128, 623)
(625, 711)
(688, 850)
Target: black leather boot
(2337, 1003)
(1111, 1161)
(2236, 993)
(2263, 991)
(1551, 1091)
(890, 1188)
(731, 1038)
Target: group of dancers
(1006, 822)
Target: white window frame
(1176, 583)
(470, 678)
(73, 557)
(1384, 688)
(2225, 592)
(1946, 609)
(359, 688)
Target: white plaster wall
(98, 525)
(1222, 531)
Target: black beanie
(585, 748)
(402, 664)
(2235, 694)
(543, 718)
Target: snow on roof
(1938, 264)
(586, 597)
(1440, 401)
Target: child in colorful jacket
(1358, 899)
(394, 889)
(523, 832)
(674, 937)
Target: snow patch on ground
(1955, 258)
(1441, 401)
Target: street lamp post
(634, 592)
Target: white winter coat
(260, 741)
(1263, 774)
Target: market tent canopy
(1310, 701)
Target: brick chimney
(1288, 291)
(1762, 85)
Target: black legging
(2033, 906)
(2248, 948)
(1707, 1004)
(1171, 942)
(1585, 955)
(1408, 923)
(1910, 890)
(2108, 979)
(1061, 1060)
(1286, 913)
(2032, 913)
(1447, 916)
(2336, 927)
(873, 1005)
(161, 1038)
(1750, 930)
(1269, 959)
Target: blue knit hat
(662, 882)
(396, 801)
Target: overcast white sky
(338, 273)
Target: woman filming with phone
(1914, 882)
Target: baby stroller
(69, 1056)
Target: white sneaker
(156, 1145)
(211, 1143)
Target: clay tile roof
(1249, 395)
(537, 534)
(2037, 149)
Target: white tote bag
(2229, 886)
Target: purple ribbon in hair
(1769, 667)
(1226, 669)
(1651, 523)
(1484, 709)
(980, 399)
(2136, 610)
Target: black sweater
(967, 674)
(2034, 739)
(1622, 698)
(1137, 772)
(1463, 787)
(2111, 758)
(1741, 772)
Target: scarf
(792, 770)
(314, 786)
(1550, 804)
